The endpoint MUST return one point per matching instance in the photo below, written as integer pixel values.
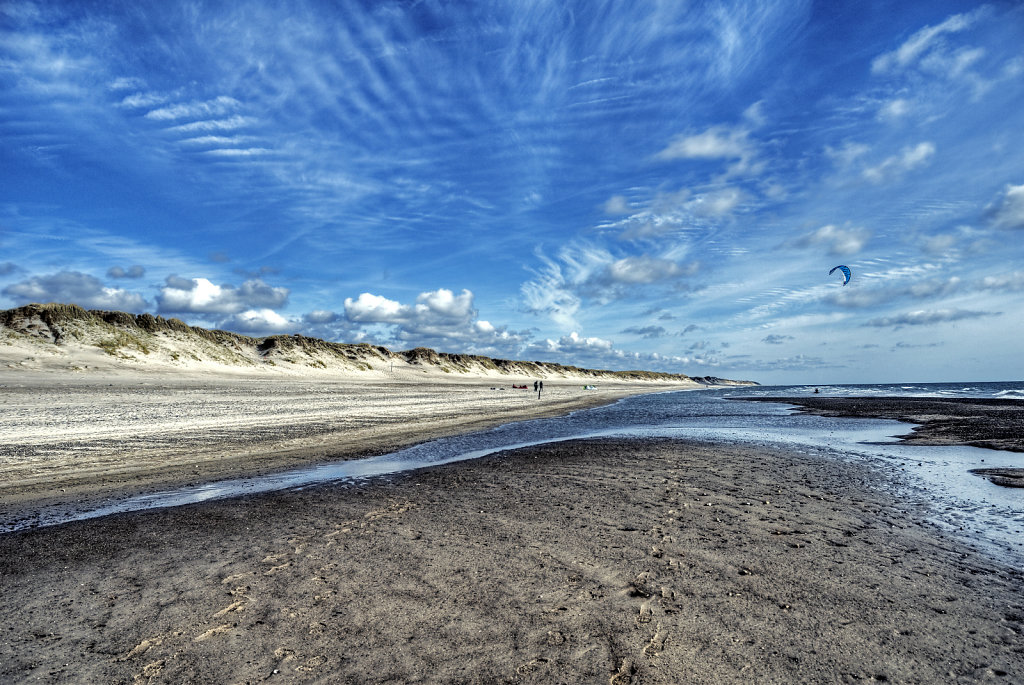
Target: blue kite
(846, 272)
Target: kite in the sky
(846, 272)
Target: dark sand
(992, 423)
(613, 561)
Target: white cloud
(199, 295)
(1012, 282)
(846, 155)
(642, 269)
(229, 124)
(575, 343)
(617, 204)
(1008, 211)
(717, 142)
(919, 44)
(258, 322)
(75, 288)
(370, 308)
(142, 100)
(908, 159)
(838, 241)
(894, 109)
(237, 152)
(126, 83)
(717, 203)
(439, 319)
(194, 110)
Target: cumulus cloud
(320, 316)
(258, 322)
(1008, 210)
(439, 319)
(370, 308)
(927, 317)
(75, 288)
(199, 295)
(908, 159)
(7, 268)
(575, 343)
(837, 241)
(134, 271)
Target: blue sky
(655, 185)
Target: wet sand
(992, 423)
(611, 561)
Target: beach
(592, 560)
(84, 438)
(619, 561)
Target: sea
(987, 517)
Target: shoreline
(601, 560)
(84, 441)
(990, 423)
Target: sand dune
(63, 337)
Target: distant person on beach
(535, 386)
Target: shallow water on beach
(989, 516)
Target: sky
(644, 185)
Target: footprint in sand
(657, 643)
(141, 648)
(532, 666)
(624, 676)
(645, 614)
(237, 576)
(212, 632)
(234, 606)
(149, 671)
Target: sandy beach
(586, 561)
(68, 438)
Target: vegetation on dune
(120, 334)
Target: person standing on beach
(535, 386)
